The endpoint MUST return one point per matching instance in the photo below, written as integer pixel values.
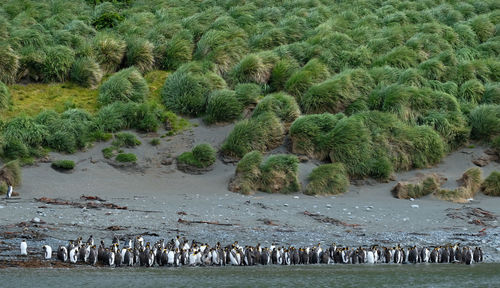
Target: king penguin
(9, 192)
(47, 252)
(24, 248)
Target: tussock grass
(328, 179)
(470, 184)
(261, 133)
(248, 94)
(491, 185)
(202, 156)
(126, 158)
(125, 139)
(10, 174)
(485, 122)
(139, 54)
(128, 85)
(417, 188)
(4, 96)
(280, 104)
(86, 72)
(63, 165)
(312, 73)
(110, 51)
(9, 64)
(222, 106)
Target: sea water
(379, 275)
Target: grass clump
(109, 51)
(417, 188)
(186, 90)
(10, 174)
(154, 142)
(4, 96)
(335, 94)
(328, 179)
(247, 174)
(248, 93)
(261, 133)
(126, 158)
(485, 122)
(128, 85)
(491, 185)
(202, 156)
(280, 104)
(63, 165)
(108, 152)
(312, 73)
(140, 54)
(308, 134)
(254, 68)
(9, 64)
(86, 72)
(222, 106)
(469, 185)
(279, 174)
(125, 139)
(57, 63)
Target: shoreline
(157, 196)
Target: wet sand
(157, 196)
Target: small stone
(357, 207)
(498, 249)
(412, 199)
(414, 206)
(35, 220)
(406, 219)
(286, 205)
(295, 197)
(329, 205)
(1, 206)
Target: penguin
(457, 255)
(265, 258)
(128, 257)
(93, 255)
(47, 252)
(111, 258)
(413, 255)
(150, 259)
(90, 241)
(468, 256)
(9, 192)
(434, 256)
(325, 257)
(398, 256)
(73, 255)
(295, 257)
(370, 257)
(445, 256)
(425, 255)
(62, 253)
(387, 255)
(477, 255)
(118, 259)
(24, 248)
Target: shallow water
(420, 275)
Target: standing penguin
(47, 252)
(477, 255)
(468, 255)
(93, 255)
(24, 248)
(62, 253)
(434, 256)
(9, 192)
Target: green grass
(63, 164)
(108, 152)
(4, 96)
(202, 156)
(279, 174)
(31, 99)
(127, 85)
(222, 106)
(328, 179)
(124, 139)
(491, 185)
(126, 158)
(154, 142)
(280, 104)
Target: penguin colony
(180, 252)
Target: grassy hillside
(407, 81)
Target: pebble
(286, 205)
(329, 205)
(295, 197)
(1, 206)
(498, 249)
(412, 199)
(406, 219)
(35, 220)
(414, 206)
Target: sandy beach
(161, 201)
